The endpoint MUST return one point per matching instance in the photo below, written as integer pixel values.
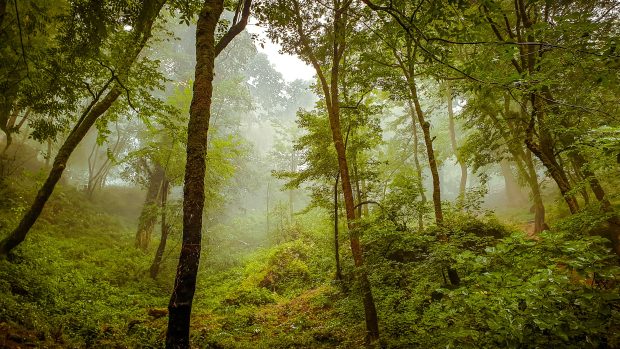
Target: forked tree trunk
(180, 305)
(544, 151)
(149, 11)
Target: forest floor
(79, 282)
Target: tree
(297, 26)
(101, 101)
(207, 49)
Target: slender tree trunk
(364, 197)
(539, 207)
(331, 95)
(430, 152)
(358, 192)
(180, 305)
(522, 158)
(60, 162)
(148, 216)
(454, 144)
(336, 238)
(418, 166)
(409, 73)
(543, 150)
(159, 255)
(149, 11)
(578, 178)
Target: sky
(289, 66)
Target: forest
(309, 174)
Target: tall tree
(207, 49)
(298, 26)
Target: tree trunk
(430, 152)
(455, 150)
(148, 216)
(418, 166)
(336, 238)
(358, 192)
(514, 196)
(522, 158)
(180, 305)
(331, 95)
(159, 255)
(148, 14)
(599, 193)
(60, 162)
(539, 207)
(409, 73)
(543, 150)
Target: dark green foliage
(515, 291)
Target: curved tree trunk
(60, 162)
(150, 10)
(331, 95)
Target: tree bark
(18, 235)
(336, 237)
(180, 305)
(408, 70)
(150, 10)
(331, 95)
(418, 166)
(544, 151)
(522, 158)
(159, 255)
(148, 216)
(539, 207)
